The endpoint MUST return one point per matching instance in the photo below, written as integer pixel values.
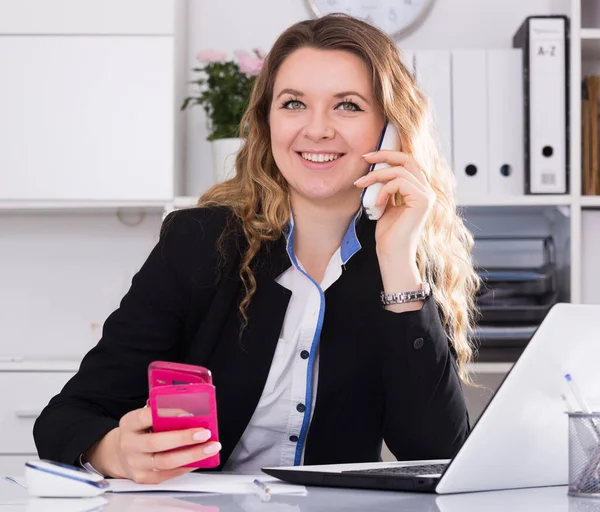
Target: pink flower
(250, 65)
(241, 54)
(211, 56)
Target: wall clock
(395, 17)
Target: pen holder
(584, 454)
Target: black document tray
(517, 310)
(519, 281)
(507, 281)
(504, 336)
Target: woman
(274, 283)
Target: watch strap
(388, 299)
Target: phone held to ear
(388, 140)
(182, 396)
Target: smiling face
(323, 118)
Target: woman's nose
(319, 126)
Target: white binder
(433, 74)
(544, 42)
(470, 124)
(505, 122)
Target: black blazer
(382, 375)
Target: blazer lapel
(241, 367)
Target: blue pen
(262, 489)
(577, 394)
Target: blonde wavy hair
(258, 195)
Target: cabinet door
(86, 17)
(86, 118)
(590, 256)
(24, 396)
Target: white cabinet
(25, 389)
(590, 254)
(87, 106)
(86, 118)
(23, 396)
(86, 17)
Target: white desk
(551, 499)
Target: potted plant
(223, 90)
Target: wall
(228, 25)
(62, 274)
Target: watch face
(394, 17)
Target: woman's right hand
(132, 451)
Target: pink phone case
(177, 389)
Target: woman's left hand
(400, 227)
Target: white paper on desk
(219, 483)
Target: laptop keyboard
(422, 469)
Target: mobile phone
(182, 396)
(387, 140)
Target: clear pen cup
(584, 454)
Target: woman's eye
(293, 105)
(349, 106)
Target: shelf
(529, 200)
(190, 201)
(590, 201)
(524, 200)
(185, 201)
(27, 365)
(6, 205)
(590, 43)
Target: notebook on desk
(520, 440)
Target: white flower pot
(224, 152)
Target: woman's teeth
(314, 157)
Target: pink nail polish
(212, 448)
(202, 436)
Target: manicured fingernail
(212, 448)
(370, 153)
(202, 435)
(360, 180)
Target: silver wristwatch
(400, 298)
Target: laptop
(521, 438)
